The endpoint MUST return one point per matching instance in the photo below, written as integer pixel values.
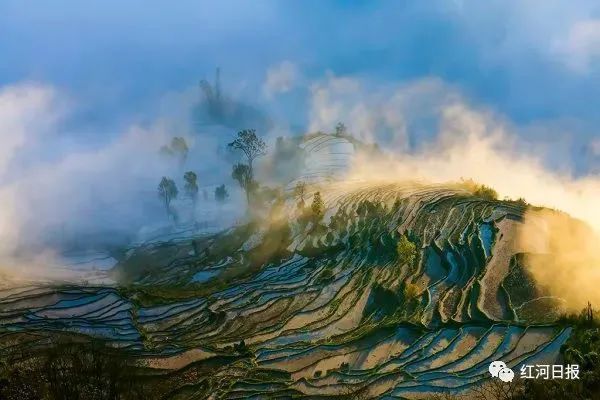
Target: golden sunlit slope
(397, 290)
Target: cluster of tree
(406, 250)
(486, 192)
(90, 371)
(315, 212)
(216, 107)
(221, 193)
(317, 207)
(340, 129)
(178, 148)
(212, 96)
(74, 369)
(480, 190)
(252, 147)
(168, 191)
(247, 142)
(191, 186)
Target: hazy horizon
(90, 93)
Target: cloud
(26, 109)
(594, 147)
(429, 129)
(580, 48)
(83, 191)
(467, 141)
(28, 112)
(281, 78)
(473, 142)
(566, 261)
(56, 195)
(391, 114)
(334, 100)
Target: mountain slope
(323, 308)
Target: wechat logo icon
(498, 369)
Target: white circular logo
(495, 368)
(506, 375)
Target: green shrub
(411, 290)
(317, 207)
(325, 276)
(406, 250)
(480, 190)
(486, 192)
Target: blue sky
(533, 62)
(504, 91)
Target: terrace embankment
(298, 305)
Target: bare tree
(90, 371)
(300, 193)
(495, 389)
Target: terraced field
(292, 307)
(326, 157)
